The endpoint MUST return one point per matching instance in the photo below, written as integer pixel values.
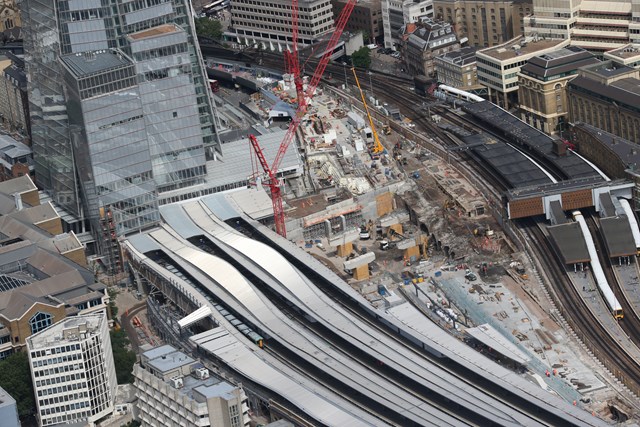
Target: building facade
(14, 104)
(498, 66)
(269, 22)
(175, 390)
(158, 40)
(542, 87)
(397, 13)
(484, 24)
(423, 42)
(607, 96)
(8, 410)
(458, 68)
(366, 18)
(9, 15)
(597, 26)
(72, 369)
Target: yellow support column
(361, 273)
(346, 249)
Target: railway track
(575, 310)
(630, 323)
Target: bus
(214, 85)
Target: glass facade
(53, 156)
(116, 133)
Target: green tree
(15, 378)
(123, 358)
(361, 57)
(113, 309)
(209, 28)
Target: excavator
(377, 148)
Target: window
(40, 321)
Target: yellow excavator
(377, 146)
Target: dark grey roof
(562, 61)
(608, 69)
(462, 56)
(514, 167)
(606, 205)
(617, 236)
(18, 75)
(568, 241)
(84, 64)
(530, 138)
(624, 91)
(558, 213)
(627, 151)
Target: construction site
(401, 223)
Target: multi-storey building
(44, 271)
(607, 96)
(100, 60)
(366, 18)
(423, 42)
(14, 104)
(498, 66)
(597, 26)
(268, 22)
(175, 390)
(484, 23)
(8, 410)
(397, 13)
(16, 158)
(542, 87)
(72, 369)
(458, 68)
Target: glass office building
(120, 108)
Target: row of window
(63, 398)
(58, 380)
(173, 49)
(57, 370)
(281, 6)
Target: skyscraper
(120, 109)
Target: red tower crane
(292, 64)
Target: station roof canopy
(617, 236)
(569, 242)
(491, 337)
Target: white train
(632, 222)
(449, 91)
(598, 272)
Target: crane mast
(377, 146)
(293, 65)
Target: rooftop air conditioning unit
(176, 382)
(201, 373)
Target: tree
(123, 358)
(15, 379)
(209, 28)
(361, 57)
(113, 309)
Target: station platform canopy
(618, 236)
(192, 318)
(492, 338)
(569, 243)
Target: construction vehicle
(377, 146)
(386, 129)
(292, 64)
